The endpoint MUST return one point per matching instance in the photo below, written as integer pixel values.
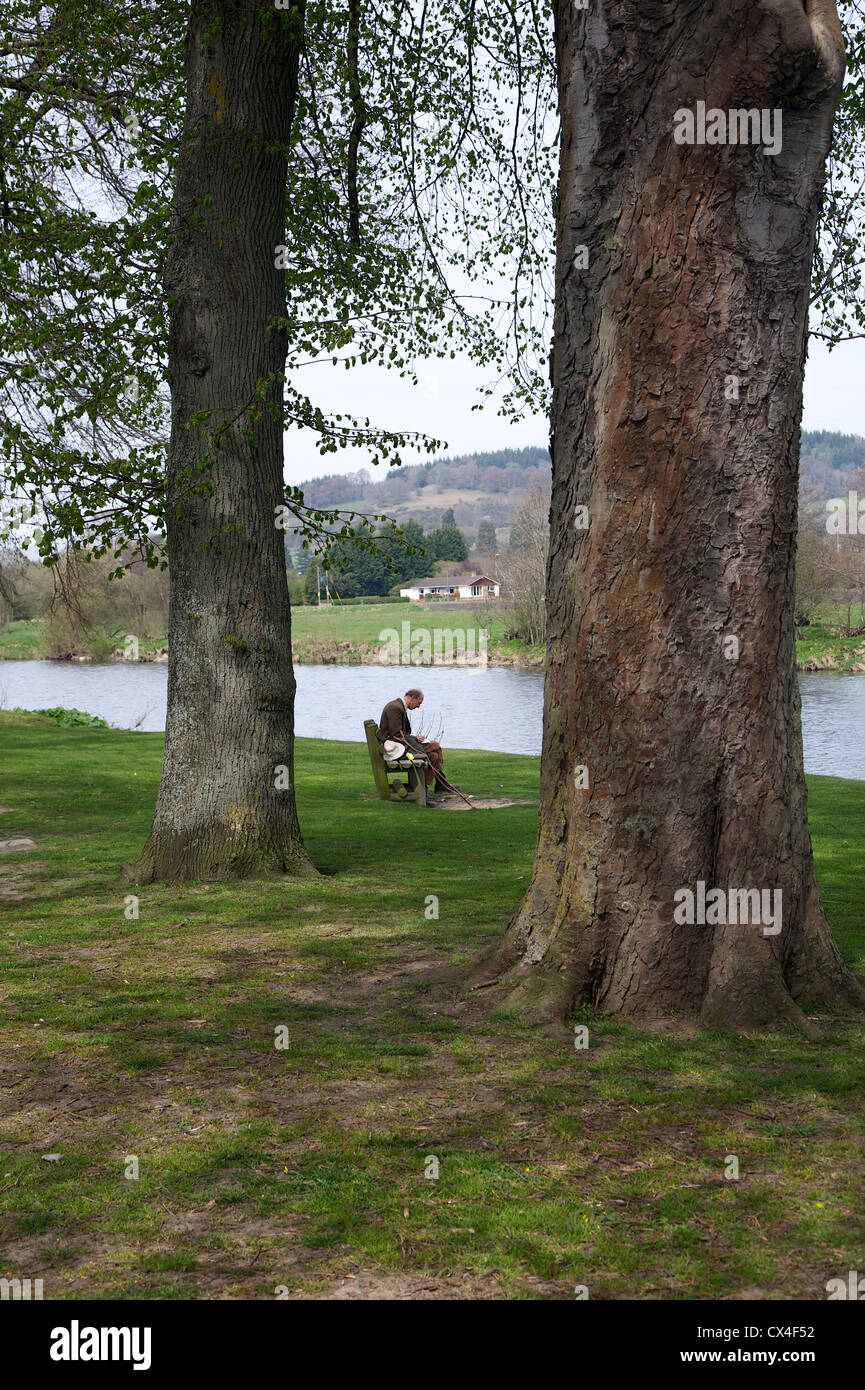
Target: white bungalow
(460, 586)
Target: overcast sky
(441, 406)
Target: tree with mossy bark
(285, 185)
(672, 747)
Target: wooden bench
(415, 767)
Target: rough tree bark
(696, 274)
(225, 808)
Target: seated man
(396, 724)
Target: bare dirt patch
(402, 1287)
(15, 879)
(491, 803)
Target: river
(496, 708)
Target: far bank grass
(262, 1168)
(352, 634)
(23, 640)
(819, 647)
(342, 633)
(27, 640)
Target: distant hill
(828, 460)
(474, 485)
(490, 485)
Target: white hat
(393, 751)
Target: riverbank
(352, 636)
(305, 1166)
(822, 648)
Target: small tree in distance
(486, 541)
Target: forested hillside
(828, 461)
(475, 486)
(490, 485)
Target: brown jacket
(394, 720)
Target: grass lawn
(355, 623)
(352, 632)
(26, 639)
(820, 644)
(340, 633)
(303, 1168)
(315, 631)
(22, 640)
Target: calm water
(497, 708)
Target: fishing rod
(440, 777)
(451, 788)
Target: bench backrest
(376, 757)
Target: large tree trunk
(226, 804)
(698, 272)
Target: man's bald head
(413, 698)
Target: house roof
(442, 581)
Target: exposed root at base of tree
(547, 993)
(181, 858)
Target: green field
(355, 631)
(304, 1167)
(822, 647)
(26, 640)
(352, 633)
(22, 641)
(349, 633)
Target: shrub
(100, 644)
(372, 598)
(67, 718)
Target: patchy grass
(28, 640)
(303, 1168)
(342, 633)
(353, 633)
(22, 640)
(820, 648)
